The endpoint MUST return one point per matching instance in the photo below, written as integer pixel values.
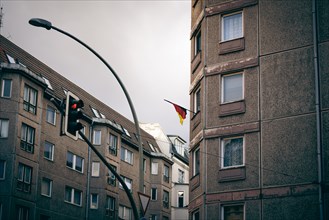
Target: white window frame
(4, 128)
(232, 205)
(197, 44)
(27, 138)
(113, 140)
(48, 183)
(24, 177)
(97, 137)
(95, 168)
(52, 148)
(83, 130)
(181, 176)
(222, 158)
(128, 182)
(223, 87)
(72, 196)
(30, 99)
(154, 168)
(94, 204)
(125, 212)
(180, 196)
(96, 113)
(51, 112)
(3, 87)
(194, 161)
(125, 154)
(156, 194)
(74, 162)
(196, 98)
(222, 26)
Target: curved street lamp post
(38, 22)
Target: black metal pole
(130, 197)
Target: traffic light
(72, 115)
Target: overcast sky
(146, 43)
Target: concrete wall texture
(276, 115)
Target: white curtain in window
(233, 152)
(4, 125)
(232, 26)
(232, 88)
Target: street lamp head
(38, 22)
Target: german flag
(181, 113)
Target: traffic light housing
(73, 113)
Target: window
(24, 177)
(4, 126)
(232, 212)
(10, 59)
(196, 162)
(232, 152)
(154, 217)
(197, 100)
(166, 173)
(73, 196)
(125, 212)
(197, 43)
(154, 194)
(232, 87)
(154, 168)
(48, 83)
(232, 26)
(97, 137)
(27, 138)
(110, 206)
(74, 162)
(49, 151)
(126, 131)
(94, 201)
(83, 130)
(96, 113)
(112, 178)
(30, 99)
(181, 176)
(113, 144)
(46, 187)
(144, 165)
(165, 199)
(127, 155)
(51, 115)
(2, 169)
(196, 215)
(95, 169)
(22, 213)
(180, 199)
(6, 88)
(128, 182)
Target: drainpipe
(318, 109)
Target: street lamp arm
(38, 22)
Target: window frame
(165, 199)
(181, 176)
(53, 112)
(72, 195)
(125, 153)
(222, 101)
(93, 202)
(232, 205)
(4, 133)
(3, 86)
(49, 187)
(95, 170)
(24, 182)
(113, 139)
(222, 158)
(74, 162)
(197, 100)
(180, 197)
(166, 173)
(222, 25)
(25, 144)
(196, 169)
(197, 42)
(154, 171)
(126, 212)
(155, 190)
(97, 141)
(127, 180)
(27, 105)
(3, 164)
(112, 179)
(52, 147)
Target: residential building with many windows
(259, 89)
(47, 175)
(173, 147)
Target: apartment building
(47, 175)
(174, 147)
(259, 87)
